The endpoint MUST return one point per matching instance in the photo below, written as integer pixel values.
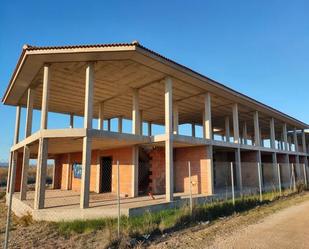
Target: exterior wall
(249, 169)
(124, 155)
(157, 170)
(285, 169)
(199, 160)
(222, 169)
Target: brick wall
(124, 155)
(199, 160)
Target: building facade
(132, 86)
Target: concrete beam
(236, 124)
(169, 165)
(45, 94)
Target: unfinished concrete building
(135, 87)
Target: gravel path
(277, 229)
(285, 229)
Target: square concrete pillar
(120, 124)
(236, 124)
(227, 129)
(175, 118)
(39, 197)
(295, 140)
(169, 163)
(285, 136)
(245, 133)
(207, 125)
(101, 116)
(272, 133)
(15, 141)
(26, 153)
(71, 121)
(87, 141)
(238, 169)
(45, 95)
(135, 163)
(136, 122)
(257, 136)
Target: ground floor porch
(64, 205)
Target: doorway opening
(106, 176)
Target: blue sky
(259, 48)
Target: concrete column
(289, 143)
(207, 125)
(15, 141)
(109, 125)
(210, 170)
(87, 141)
(275, 166)
(175, 118)
(135, 162)
(141, 121)
(295, 140)
(193, 130)
(169, 163)
(238, 169)
(245, 133)
(71, 121)
(39, 198)
(272, 133)
(120, 124)
(285, 136)
(45, 94)
(260, 171)
(69, 173)
(303, 137)
(236, 124)
(257, 141)
(136, 126)
(227, 129)
(149, 128)
(26, 152)
(101, 116)
(17, 125)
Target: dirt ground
(287, 228)
(281, 224)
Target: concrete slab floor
(64, 205)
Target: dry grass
(31, 175)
